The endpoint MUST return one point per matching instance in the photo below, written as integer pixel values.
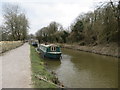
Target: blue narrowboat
(50, 51)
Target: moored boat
(50, 51)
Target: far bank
(103, 49)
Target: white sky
(41, 12)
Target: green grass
(38, 68)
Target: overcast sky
(41, 12)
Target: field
(8, 45)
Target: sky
(41, 12)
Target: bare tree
(15, 21)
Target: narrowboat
(35, 44)
(50, 51)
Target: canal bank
(107, 49)
(41, 77)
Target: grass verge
(38, 69)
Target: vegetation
(111, 50)
(102, 26)
(52, 33)
(15, 26)
(8, 45)
(38, 69)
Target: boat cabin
(50, 51)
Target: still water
(79, 69)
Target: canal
(79, 69)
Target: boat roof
(48, 45)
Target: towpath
(16, 68)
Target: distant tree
(78, 27)
(76, 30)
(51, 33)
(53, 27)
(15, 21)
(64, 36)
(5, 34)
(92, 28)
(100, 26)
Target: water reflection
(85, 70)
(52, 64)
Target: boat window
(53, 48)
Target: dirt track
(16, 68)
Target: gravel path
(16, 68)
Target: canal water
(79, 69)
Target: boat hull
(53, 56)
(50, 55)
